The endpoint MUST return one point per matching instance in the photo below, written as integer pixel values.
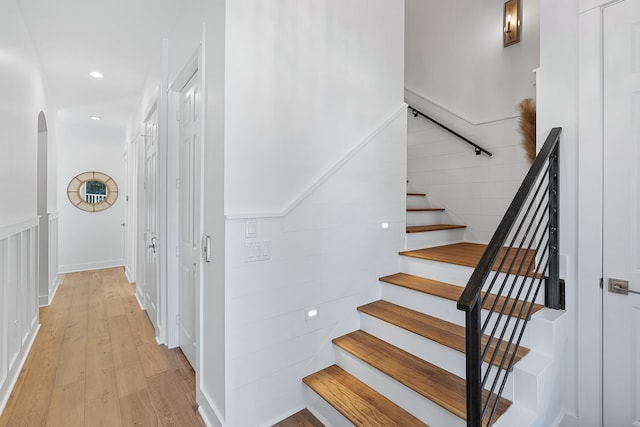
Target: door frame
(193, 66)
(589, 293)
(142, 213)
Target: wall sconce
(511, 21)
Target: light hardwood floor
(95, 362)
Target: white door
(621, 213)
(151, 219)
(189, 217)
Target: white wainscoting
(19, 320)
(53, 256)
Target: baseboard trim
(284, 416)
(46, 300)
(208, 410)
(73, 268)
(566, 419)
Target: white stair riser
(441, 308)
(440, 271)
(416, 202)
(430, 239)
(455, 274)
(325, 413)
(425, 303)
(424, 217)
(412, 402)
(517, 416)
(431, 351)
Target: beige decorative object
(92, 191)
(527, 110)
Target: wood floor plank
(129, 372)
(359, 403)
(137, 410)
(67, 406)
(100, 413)
(155, 358)
(86, 369)
(73, 361)
(453, 292)
(170, 387)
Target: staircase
(405, 366)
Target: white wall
(328, 252)
(458, 72)
(90, 240)
(24, 95)
(557, 92)
(454, 56)
(306, 83)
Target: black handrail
(515, 272)
(478, 149)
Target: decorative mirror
(92, 191)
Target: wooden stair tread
(432, 227)
(358, 402)
(435, 329)
(434, 383)
(466, 254)
(302, 418)
(417, 194)
(453, 292)
(425, 209)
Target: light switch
(251, 228)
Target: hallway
(95, 362)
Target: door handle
(618, 286)
(153, 244)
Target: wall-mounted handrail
(478, 149)
(515, 271)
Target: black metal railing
(478, 149)
(521, 256)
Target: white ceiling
(119, 38)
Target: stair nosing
(425, 209)
(427, 228)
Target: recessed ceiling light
(96, 74)
(95, 117)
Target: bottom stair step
(426, 379)
(303, 418)
(356, 401)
